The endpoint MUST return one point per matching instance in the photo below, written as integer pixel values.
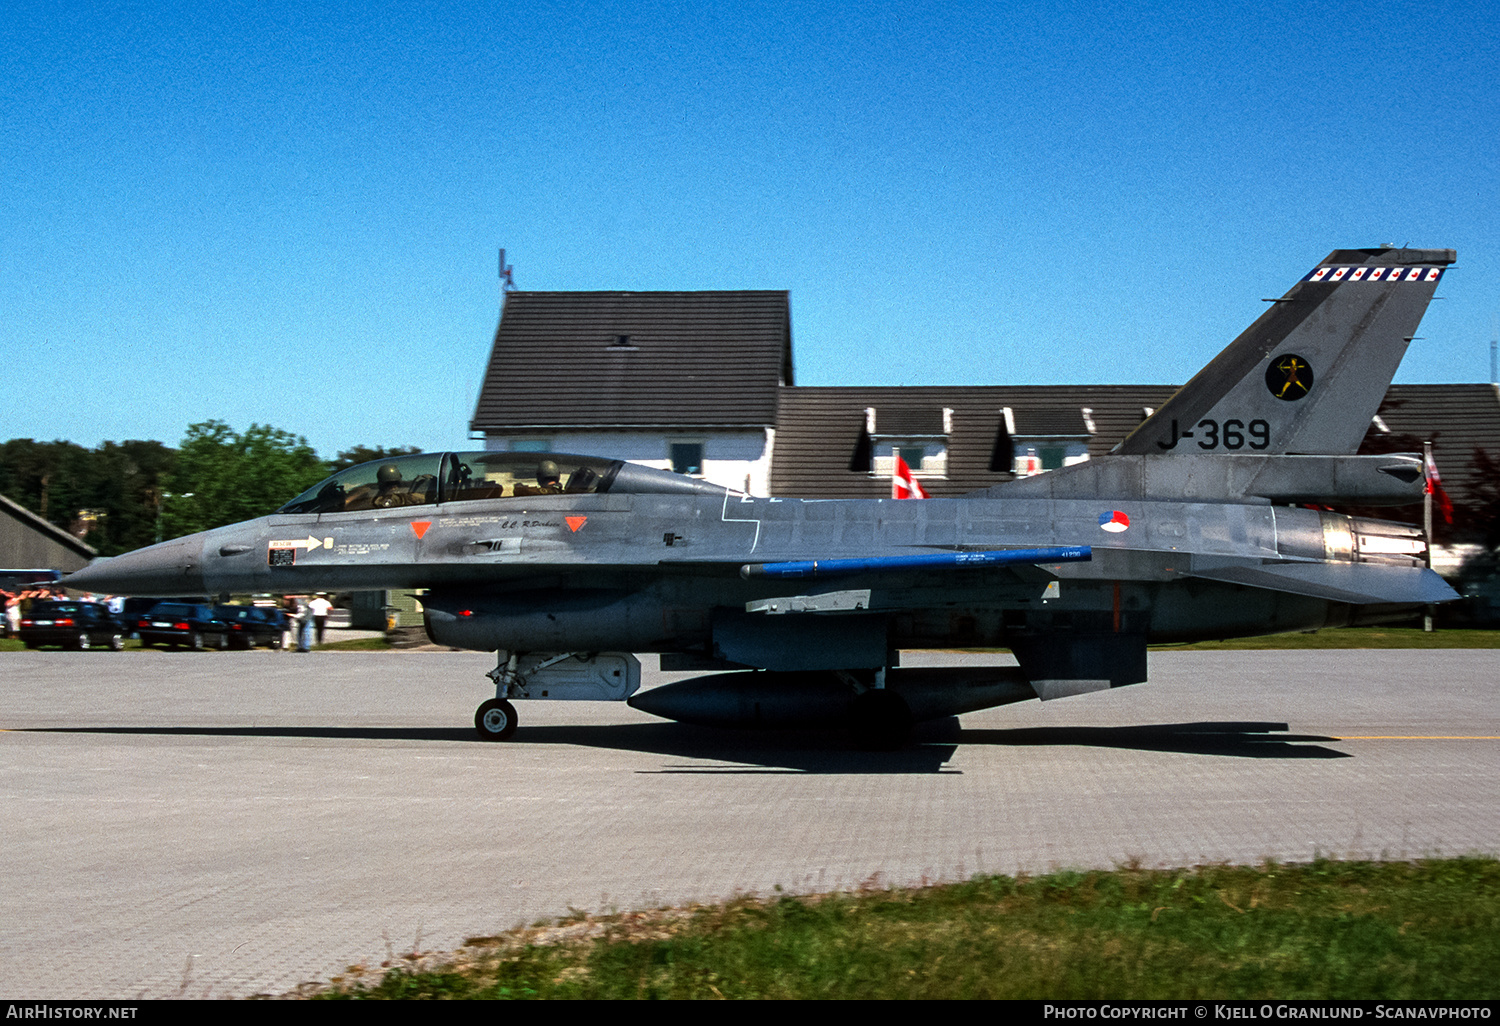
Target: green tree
(222, 476)
(107, 496)
(127, 483)
(48, 478)
(364, 454)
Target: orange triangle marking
(420, 526)
(576, 522)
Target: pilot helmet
(547, 472)
(388, 474)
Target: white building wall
(735, 459)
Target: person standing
(319, 608)
(289, 610)
(304, 626)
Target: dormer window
(1041, 439)
(919, 437)
(687, 458)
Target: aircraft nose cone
(170, 568)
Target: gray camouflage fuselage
(609, 580)
(1190, 530)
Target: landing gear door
(598, 677)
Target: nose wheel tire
(495, 720)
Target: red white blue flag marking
(1114, 521)
(1335, 272)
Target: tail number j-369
(1229, 434)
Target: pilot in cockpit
(548, 481)
(391, 489)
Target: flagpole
(1427, 520)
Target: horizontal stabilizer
(1356, 583)
(881, 564)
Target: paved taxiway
(235, 823)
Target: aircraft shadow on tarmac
(1245, 740)
(806, 751)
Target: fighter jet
(1201, 524)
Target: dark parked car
(252, 625)
(132, 609)
(71, 625)
(182, 623)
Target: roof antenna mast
(507, 283)
(1494, 348)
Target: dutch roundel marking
(1114, 521)
(1289, 377)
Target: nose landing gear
(495, 720)
(576, 676)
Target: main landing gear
(879, 719)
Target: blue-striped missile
(877, 564)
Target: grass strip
(1349, 637)
(1393, 930)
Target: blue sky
(289, 214)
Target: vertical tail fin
(1309, 374)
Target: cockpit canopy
(430, 478)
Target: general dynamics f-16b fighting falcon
(1197, 526)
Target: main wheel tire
(879, 721)
(495, 720)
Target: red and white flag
(903, 485)
(1436, 490)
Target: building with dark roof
(680, 380)
(29, 544)
(702, 382)
(839, 442)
